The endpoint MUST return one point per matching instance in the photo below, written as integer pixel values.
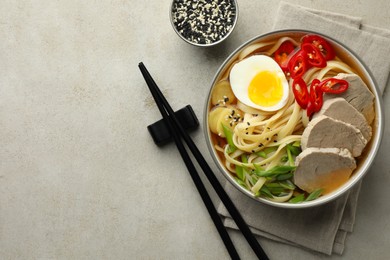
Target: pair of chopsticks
(178, 133)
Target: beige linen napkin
(324, 228)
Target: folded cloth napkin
(324, 228)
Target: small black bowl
(205, 22)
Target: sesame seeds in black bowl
(204, 22)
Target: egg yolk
(265, 89)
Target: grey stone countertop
(80, 177)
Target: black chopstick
(176, 129)
(194, 175)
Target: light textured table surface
(80, 177)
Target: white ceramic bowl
(370, 151)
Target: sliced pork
(324, 132)
(358, 95)
(340, 109)
(323, 168)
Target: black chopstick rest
(160, 132)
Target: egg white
(244, 71)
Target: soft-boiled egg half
(259, 82)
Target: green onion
(295, 150)
(244, 158)
(289, 156)
(287, 185)
(240, 172)
(241, 183)
(284, 158)
(257, 167)
(229, 138)
(275, 188)
(315, 194)
(297, 199)
(261, 154)
(266, 192)
(283, 177)
(276, 191)
(264, 153)
(276, 170)
(273, 185)
(297, 144)
(271, 149)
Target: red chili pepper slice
(321, 44)
(281, 54)
(300, 91)
(316, 97)
(334, 86)
(298, 65)
(310, 109)
(314, 56)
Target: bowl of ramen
(293, 119)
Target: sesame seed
(203, 21)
